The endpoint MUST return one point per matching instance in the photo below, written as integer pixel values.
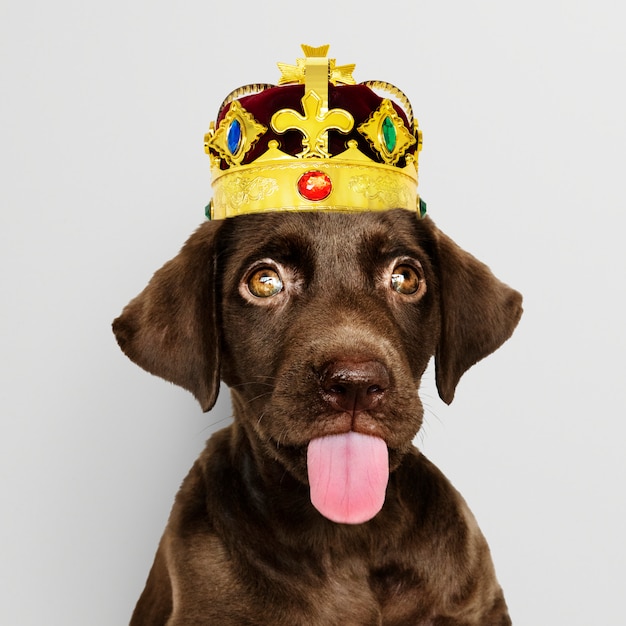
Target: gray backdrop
(102, 116)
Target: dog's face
(321, 324)
(328, 322)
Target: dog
(314, 508)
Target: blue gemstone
(233, 137)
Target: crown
(317, 141)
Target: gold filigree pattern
(380, 188)
(242, 190)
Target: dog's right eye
(265, 283)
(405, 279)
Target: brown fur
(244, 545)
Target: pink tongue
(348, 476)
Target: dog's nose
(354, 385)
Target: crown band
(352, 186)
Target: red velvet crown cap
(359, 100)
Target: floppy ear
(478, 314)
(170, 328)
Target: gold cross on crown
(297, 73)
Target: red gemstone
(314, 185)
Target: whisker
(251, 382)
(261, 395)
(215, 423)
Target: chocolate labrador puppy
(314, 508)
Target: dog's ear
(478, 314)
(170, 328)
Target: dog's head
(321, 324)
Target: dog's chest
(345, 599)
(384, 596)
(349, 593)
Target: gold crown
(317, 141)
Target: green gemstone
(422, 208)
(389, 134)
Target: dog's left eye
(265, 283)
(405, 279)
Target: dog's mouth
(342, 427)
(348, 475)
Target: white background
(103, 108)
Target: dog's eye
(265, 283)
(405, 279)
